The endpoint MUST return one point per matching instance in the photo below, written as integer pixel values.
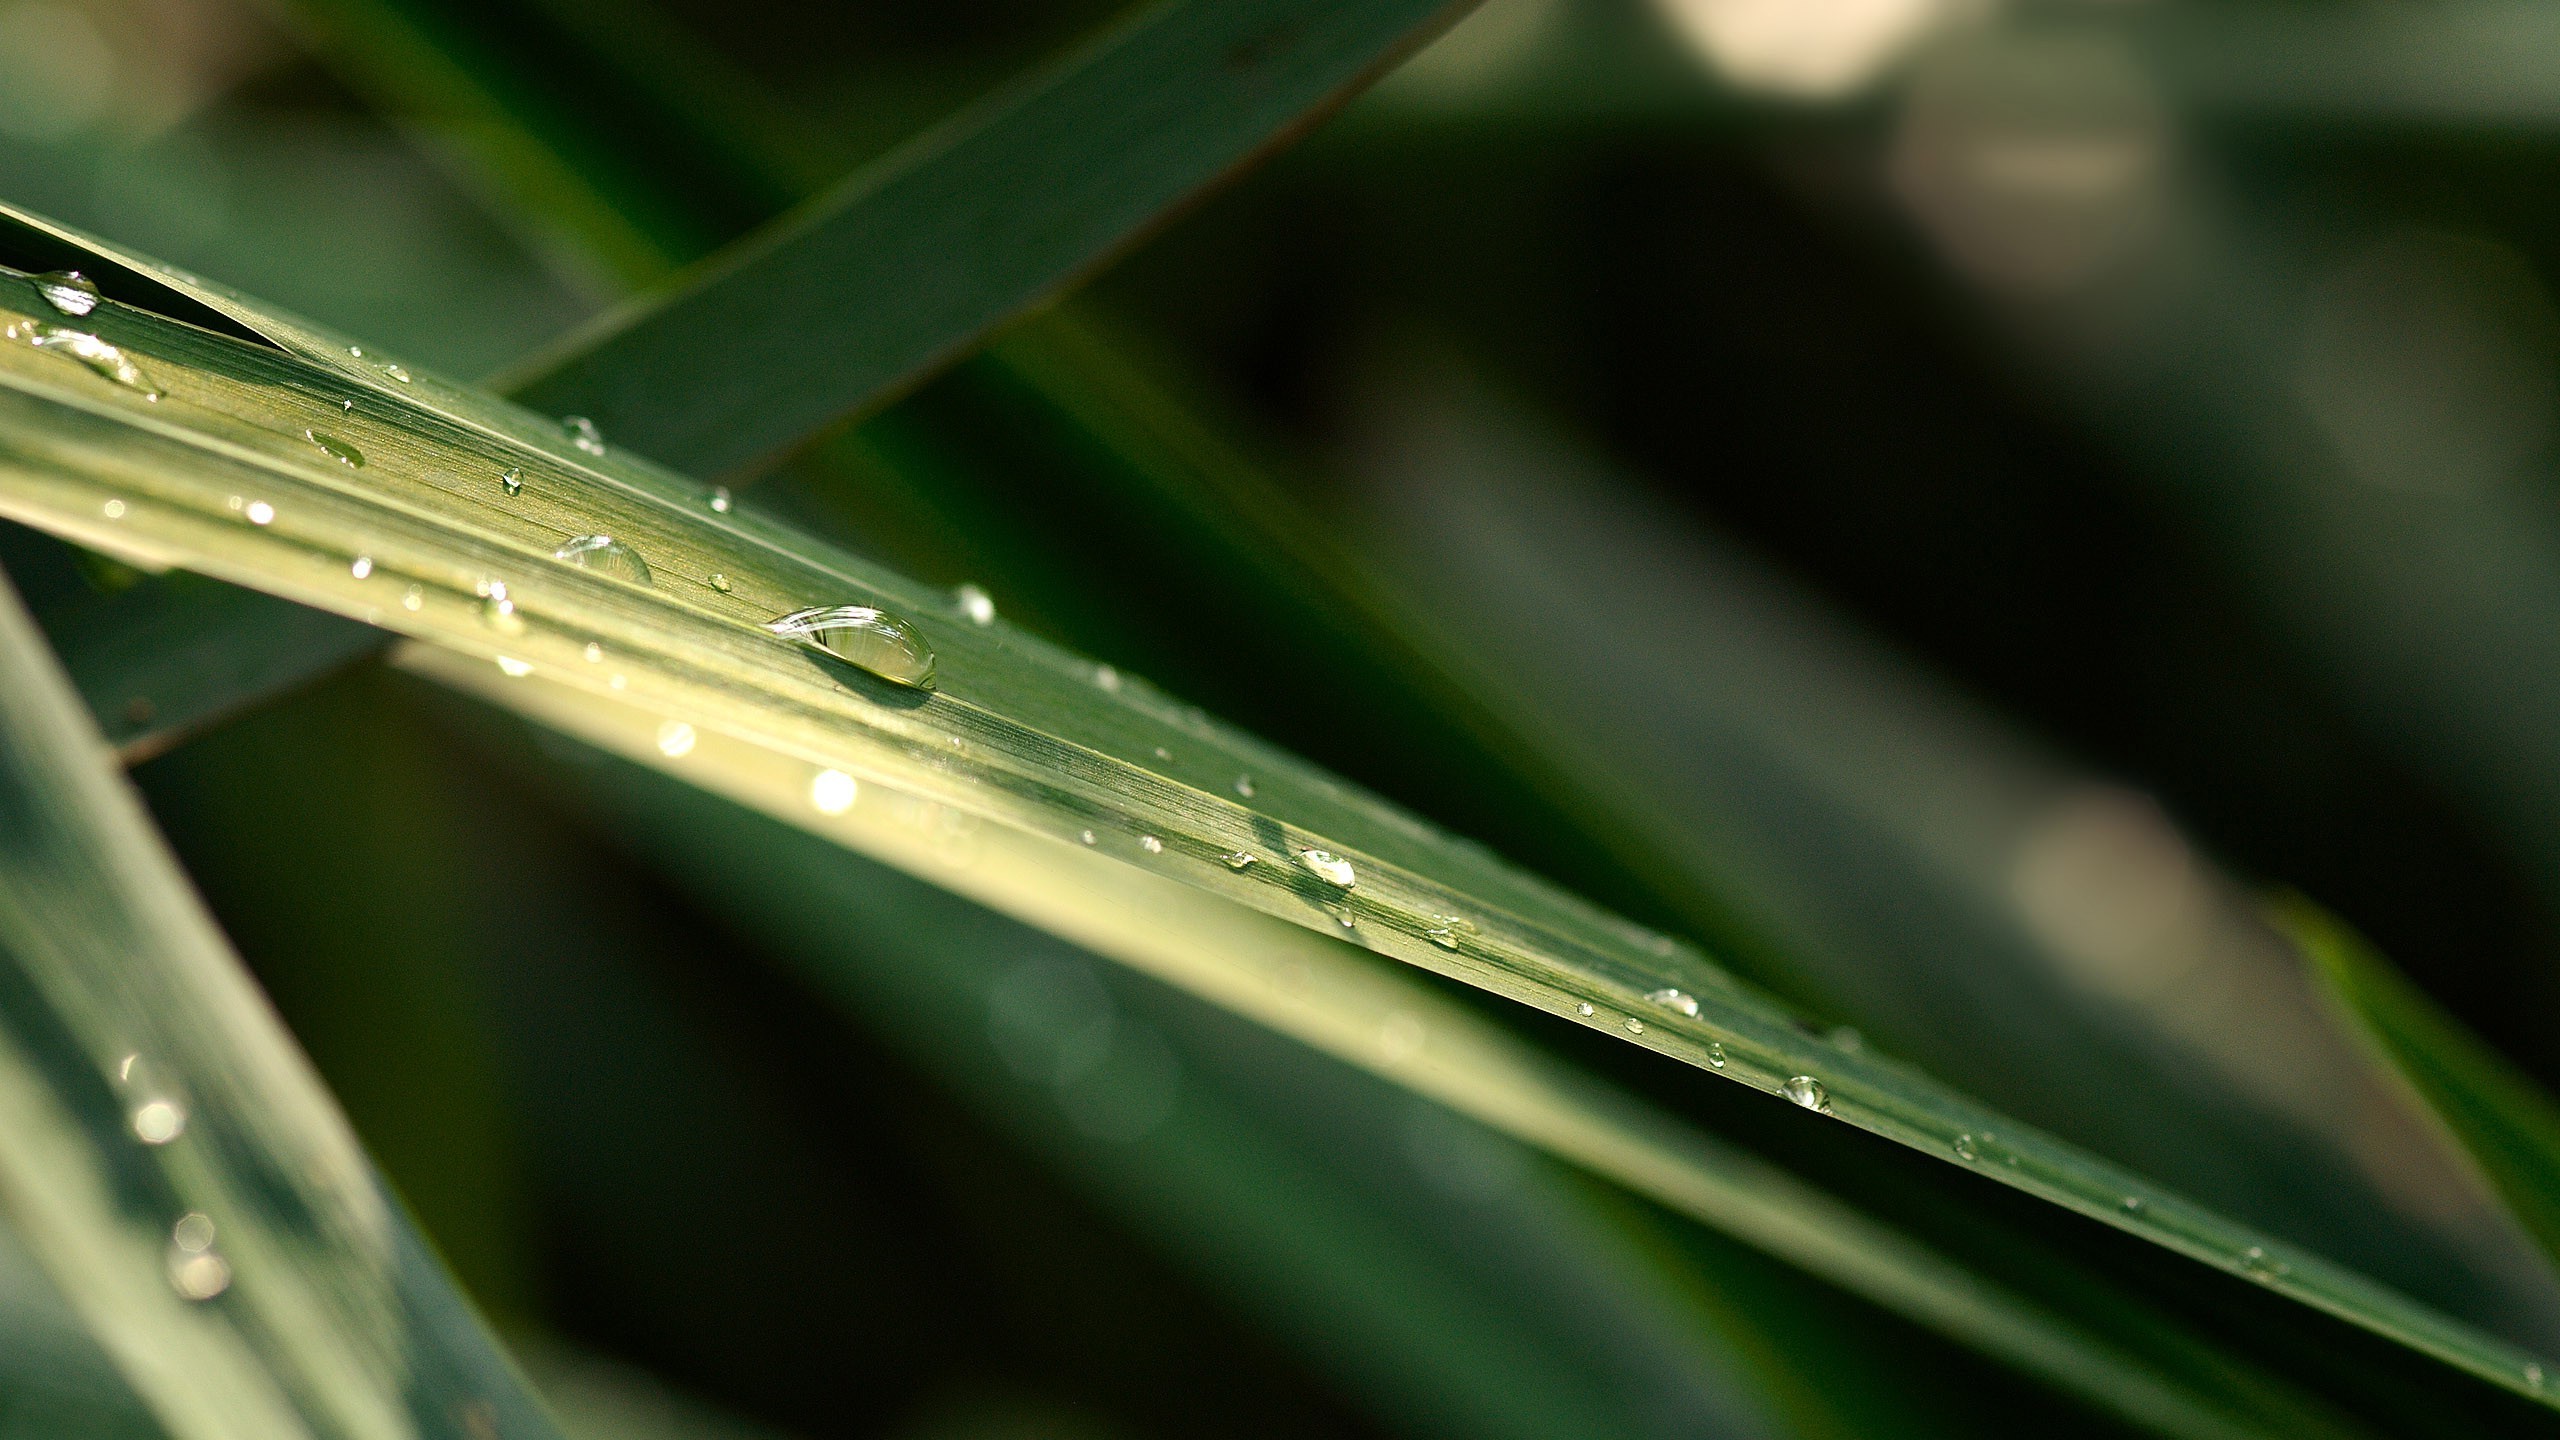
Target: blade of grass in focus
(242, 469)
(2505, 1121)
(167, 1156)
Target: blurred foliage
(1936, 502)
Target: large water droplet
(335, 448)
(1670, 999)
(1808, 1092)
(68, 291)
(606, 556)
(583, 433)
(878, 641)
(101, 358)
(975, 603)
(157, 1122)
(1329, 867)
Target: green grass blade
(2501, 1118)
(161, 1140)
(243, 468)
(922, 253)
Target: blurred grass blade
(165, 1152)
(2506, 1122)
(445, 515)
(1301, 983)
(923, 252)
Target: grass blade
(919, 255)
(165, 1152)
(244, 468)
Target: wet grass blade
(918, 255)
(2500, 1117)
(341, 480)
(165, 1153)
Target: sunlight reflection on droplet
(833, 792)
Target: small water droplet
(2133, 1205)
(412, 598)
(1151, 844)
(396, 373)
(1085, 835)
(606, 556)
(833, 792)
(874, 639)
(1808, 1092)
(513, 668)
(1965, 1149)
(594, 653)
(1670, 999)
(1715, 1054)
(260, 513)
(720, 499)
(1329, 867)
(68, 291)
(1442, 936)
(1583, 1009)
(336, 449)
(362, 567)
(199, 1277)
(1237, 859)
(2532, 1375)
(356, 350)
(114, 509)
(497, 609)
(1162, 753)
(1107, 678)
(1634, 1026)
(157, 1122)
(1244, 786)
(513, 480)
(102, 358)
(977, 604)
(583, 433)
(675, 739)
(2254, 1261)
(193, 1233)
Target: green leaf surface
(961, 229)
(2501, 1118)
(165, 1153)
(237, 461)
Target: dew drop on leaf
(720, 499)
(675, 739)
(1808, 1092)
(513, 480)
(1634, 1026)
(497, 610)
(1329, 867)
(1151, 844)
(101, 358)
(1671, 999)
(863, 635)
(606, 556)
(1715, 1054)
(975, 603)
(582, 432)
(336, 449)
(1238, 859)
(157, 1122)
(68, 291)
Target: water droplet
(606, 556)
(336, 449)
(2532, 1375)
(2133, 1205)
(362, 567)
(1085, 835)
(1808, 1092)
(101, 358)
(1670, 999)
(1442, 936)
(1583, 1009)
(675, 739)
(594, 653)
(1329, 867)
(193, 1233)
(114, 509)
(720, 499)
(412, 598)
(497, 609)
(1107, 678)
(1162, 753)
(1237, 859)
(68, 291)
(199, 1277)
(513, 668)
(513, 480)
(1965, 1149)
(157, 1122)
(396, 373)
(583, 433)
(977, 604)
(260, 513)
(1634, 1026)
(356, 350)
(1244, 786)
(720, 582)
(2261, 1267)
(833, 792)
(1715, 1054)
(874, 639)
(1151, 844)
